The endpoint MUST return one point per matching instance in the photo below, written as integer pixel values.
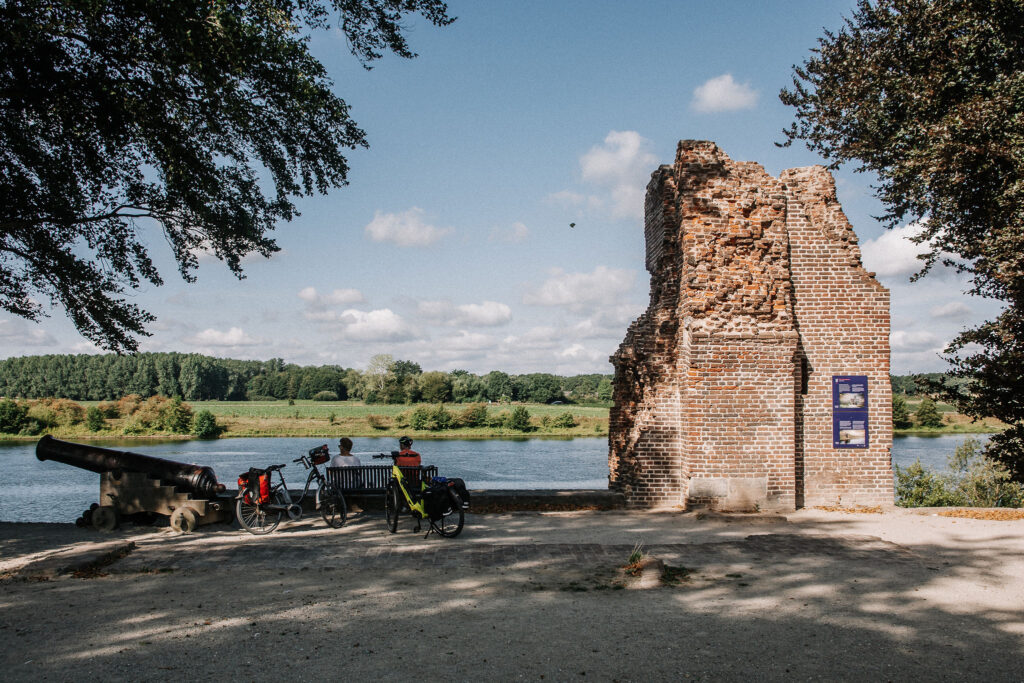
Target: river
(52, 492)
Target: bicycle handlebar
(275, 467)
(297, 459)
(381, 456)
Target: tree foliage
(929, 96)
(201, 120)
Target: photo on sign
(851, 400)
(853, 437)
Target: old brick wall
(709, 408)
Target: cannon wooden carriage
(142, 488)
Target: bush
(419, 417)
(108, 409)
(205, 426)
(380, 421)
(13, 416)
(94, 419)
(564, 420)
(519, 419)
(127, 405)
(325, 396)
(499, 419)
(440, 419)
(973, 481)
(473, 416)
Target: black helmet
(404, 441)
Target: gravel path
(532, 596)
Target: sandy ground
(532, 596)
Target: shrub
(13, 416)
(127, 405)
(205, 426)
(440, 419)
(499, 419)
(564, 420)
(325, 396)
(519, 419)
(108, 409)
(419, 417)
(94, 419)
(473, 416)
(380, 421)
(973, 481)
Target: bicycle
(261, 503)
(437, 501)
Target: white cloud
(953, 309)
(514, 234)
(406, 229)
(484, 314)
(621, 166)
(377, 325)
(892, 253)
(580, 290)
(338, 297)
(211, 337)
(722, 93)
(20, 332)
(918, 340)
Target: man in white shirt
(345, 457)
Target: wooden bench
(373, 478)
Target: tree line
(195, 377)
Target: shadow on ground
(533, 596)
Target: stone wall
(723, 386)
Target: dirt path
(529, 596)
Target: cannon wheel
(104, 518)
(184, 520)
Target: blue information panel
(849, 411)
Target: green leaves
(117, 113)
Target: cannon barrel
(195, 479)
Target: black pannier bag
(462, 491)
(436, 501)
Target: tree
(927, 94)
(206, 119)
(435, 387)
(927, 414)
(900, 414)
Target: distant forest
(194, 377)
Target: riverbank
(809, 595)
(317, 419)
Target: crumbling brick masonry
(723, 388)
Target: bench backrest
(372, 478)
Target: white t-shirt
(345, 461)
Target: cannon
(142, 487)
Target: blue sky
(451, 247)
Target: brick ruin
(724, 388)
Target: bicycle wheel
(255, 519)
(332, 506)
(450, 524)
(391, 507)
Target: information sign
(849, 411)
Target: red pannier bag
(256, 483)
